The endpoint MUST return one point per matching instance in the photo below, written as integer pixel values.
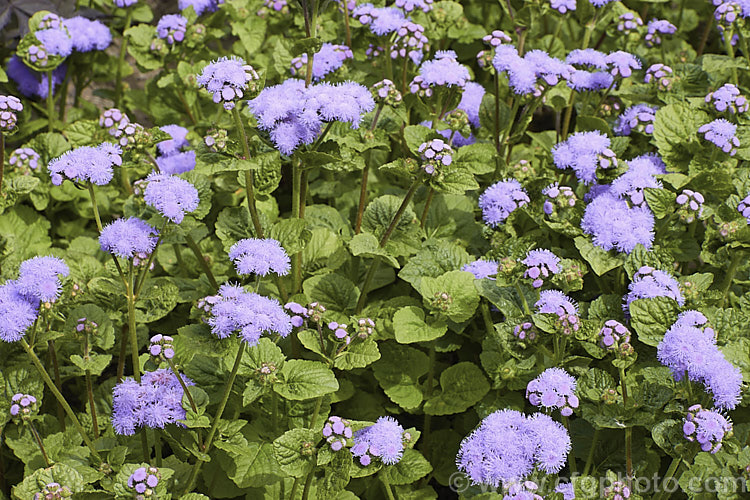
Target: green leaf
(437, 257)
(459, 285)
(332, 290)
(477, 158)
(367, 245)
(302, 379)
(358, 355)
(463, 385)
(24, 235)
(600, 260)
(58, 473)
(415, 135)
(292, 234)
(294, 451)
(660, 201)
(675, 133)
(412, 467)
(157, 299)
(95, 363)
(398, 372)
(406, 236)
(410, 327)
(651, 318)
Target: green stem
(628, 430)
(182, 384)
(191, 243)
(2, 160)
(95, 206)
(426, 210)
(58, 381)
(346, 24)
(590, 457)
(427, 394)
(90, 387)
(121, 58)
(671, 472)
(730, 52)
(487, 318)
(730, 276)
(50, 104)
(568, 115)
(39, 443)
(362, 199)
(132, 332)
(60, 398)
(248, 175)
(386, 486)
(704, 36)
(526, 308)
(297, 214)
(308, 483)
(217, 418)
(383, 240)
(571, 459)
(157, 447)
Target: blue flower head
(86, 164)
(563, 6)
(410, 42)
(55, 41)
(723, 134)
(555, 302)
(640, 175)
(708, 427)
(87, 35)
(259, 256)
(554, 388)
(584, 152)
(381, 20)
(128, 238)
(328, 59)
(482, 268)
(177, 142)
(649, 283)
(39, 277)
(172, 196)
(176, 164)
(200, 6)
(228, 79)
(728, 98)
(613, 224)
(500, 200)
(540, 265)
(639, 118)
(658, 27)
(442, 71)
(248, 314)
(384, 440)
(18, 312)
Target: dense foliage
(338, 250)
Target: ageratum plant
(260, 249)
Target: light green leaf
(410, 327)
(294, 451)
(459, 285)
(334, 291)
(302, 379)
(600, 260)
(651, 318)
(412, 467)
(398, 372)
(463, 385)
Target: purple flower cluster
(171, 28)
(301, 313)
(328, 59)
(385, 92)
(200, 6)
(10, 106)
(384, 440)
(563, 6)
(442, 71)
(582, 61)
(161, 345)
(410, 5)
(144, 480)
(617, 491)
(435, 155)
(639, 118)
(649, 283)
(726, 14)
(259, 256)
(174, 157)
(728, 98)
(336, 431)
(54, 41)
(689, 348)
(22, 405)
(86, 164)
(553, 389)
(381, 20)
(613, 334)
(557, 197)
(33, 83)
(293, 114)
(481, 268)
(500, 200)
(661, 75)
(528, 74)
(87, 35)
(154, 403)
(613, 224)
(584, 152)
(228, 79)
(540, 265)
(525, 490)
(744, 208)
(690, 205)
(723, 134)
(508, 445)
(124, 3)
(640, 175)
(622, 63)
(658, 27)
(525, 331)
(555, 302)
(629, 22)
(172, 196)
(24, 159)
(410, 41)
(129, 238)
(708, 427)
(249, 314)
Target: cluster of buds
(172, 28)
(727, 13)
(660, 75)
(159, 47)
(225, 92)
(143, 481)
(314, 311)
(525, 490)
(38, 55)
(266, 373)
(611, 106)
(25, 160)
(161, 346)
(457, 120)
(216, 139)
(690, 205)
(525, 331)
(75, 290)
(658, 27)
(629, 23)
(23, 405)
(614, 336)
(52, 21)
(340, 331)
(617, 491)
(113, 120)
(522, 170)
(53, 491)
(494, 39)
(540, 265)
(410, 41)
(373, 51)
(609, 397)
(568, 323)
(274, 5)
(441, 301)
(86, 327)
(196, 33)
(337, 431)
(507, 267)
(142, 260)
(728, 98)
(435, 154)
(419, 87)
(728, 229)
(365, 328)
(572, 274)
(708, 427)
(410, 5)
(10, 106)
(385, 92)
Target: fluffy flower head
(128, 238)
(172, 196)
(259, 256)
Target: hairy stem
(90, 387)
(217, 418)
(60, 398)
(39, 443)
(426, 210)
(733, 265)
(386, 485)
(121, 58)
(95, 207)
(248, 174)
(193, 245)
(58, 380)
(592, 449)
